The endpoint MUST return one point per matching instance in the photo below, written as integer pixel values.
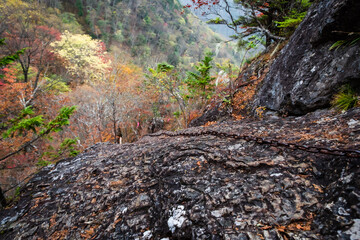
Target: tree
(13, 94)
(86, 58)
(7, 9)
(200, 82)
(166, 80)
(24, 125)
(37, 49)
(125, 100)
(22, 138)
(190, 93)
(110, 109)
(273, 19)
(27, 29)
(6, 60)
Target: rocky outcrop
(307, 74)
(213, 114)
(198, 185)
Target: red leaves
(200, 3)
(259, 14)
(9, 75)
(102, 54)
(48, 32)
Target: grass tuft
(345, 99)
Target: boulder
(211, 114)
(307, 73)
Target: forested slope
(93, 55)
(153, 31)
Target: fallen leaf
(318, 188)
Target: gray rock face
(307, 74)
(201, 187)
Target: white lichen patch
(124, 210)
(325, 120)
(276, 174)
(353, 123)
(236, 147)
(147, 234)
(354, 231)
(177, 218)
(279, 159)
(221, 212)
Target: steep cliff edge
(202, 183)
(307, 73)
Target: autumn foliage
(53, 65)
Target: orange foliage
(245, 94)
(15, 96)
(193, 115)
(113, 108)
(242, 98)
(209, 123)
(11, 92)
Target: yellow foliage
(12, 4)
(17, 11)
(260, 111)
(86, 59)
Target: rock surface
(307, 74)
(213, 114)
(201, 187)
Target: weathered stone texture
(200, 187)
(307, 74)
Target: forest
(76, 73)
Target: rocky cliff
(307, 73)
(240, 180)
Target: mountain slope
(153, 31)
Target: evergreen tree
(200, 82)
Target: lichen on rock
(307, 73)
(200, 187)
